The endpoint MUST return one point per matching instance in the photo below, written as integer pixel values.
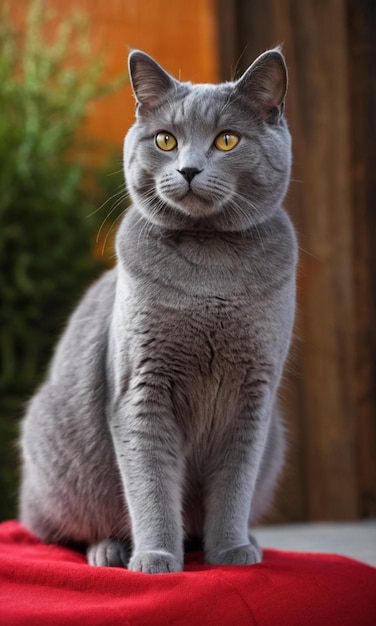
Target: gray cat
(158, 420)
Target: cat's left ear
(265, 84)
(149, 80)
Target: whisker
(249, 218)
(121, 190)
(113, 208)
(111, 229)
(116, 171)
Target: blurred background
(65, 105)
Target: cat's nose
(189, 173)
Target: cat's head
(216, 155)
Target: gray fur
(158, 419)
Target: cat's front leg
(227, 538)
(148, 448)
(229, 492)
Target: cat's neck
(183, 226)
(203, 261)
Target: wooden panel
(322, 397)
(362, 79)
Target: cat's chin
(173, 216)
(195, 206)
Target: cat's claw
(154, 562)
(243, 555)
(109, 552)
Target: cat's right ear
(149, 81)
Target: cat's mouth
(193, 200)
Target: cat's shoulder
(98, 299)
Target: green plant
(50, 192)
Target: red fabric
(50, 585)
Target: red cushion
(50, 585)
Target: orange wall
(181, 35)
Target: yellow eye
(226, 141)
(166, 141)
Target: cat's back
(78, 364)
(83, 343)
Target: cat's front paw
(154, 562)
(243, 555)
(109, 552)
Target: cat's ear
(149, 80)
(265, 84)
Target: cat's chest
(221, 340)
(203, 334)
(203, 319)
(196, 311)
(219, 330)
(202, 355)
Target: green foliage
(49, 193)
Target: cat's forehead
(202, 105)
(202, 100)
